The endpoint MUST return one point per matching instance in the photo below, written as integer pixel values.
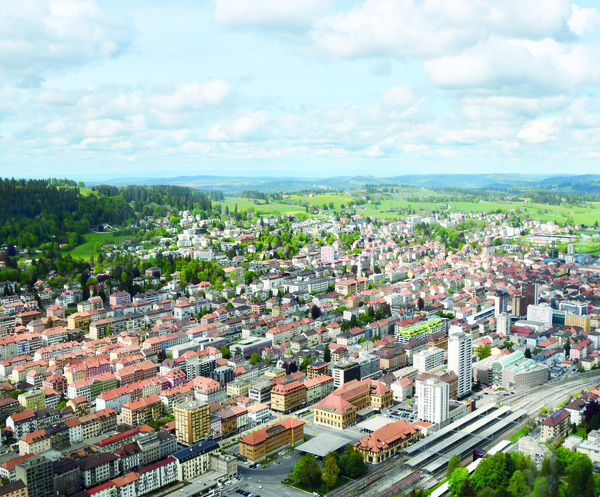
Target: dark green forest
(41, 211)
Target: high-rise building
(518, 305)
(501, 300)
(192, 421)
(36, 473)
(460, 359)
(433, 400)
(344, 371)
(541, 313)
(327, 254)
(503, 323)
(428, 359)
(577, 308)
(530, 292)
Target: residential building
(433, 400)
(192, 421)
(428, 359)
(460, 359)
(195, 460)
(14, 489)
(344, 371)
(157, 475)
(262, 443)
(556, 425)
(143, 410)
(287, 396)
(98, 469)
(35, 442)
(36, 473)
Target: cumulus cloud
(545, 65)
(583, 20)
(432, 28)
(540, 131)
(192, 96)
(37, 36)
(399, 98)
(269, 14)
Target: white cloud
(37, 36)
(540, 131)
(399, 98)
(432, 28)
(544, 65)
(268, 13)
(583, 20)
(192, 97)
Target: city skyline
(310, 88)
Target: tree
(580, 471)
(491, 472)
(567, 349)
(238, 352)
(453, 463)
(484, 351)
(225, 352)
(254, 358)
(527, 353)
(315, 311)
(330, 472)
(305, 362)
(467, 489)
(356, 466)
(456, 481)
(307, 471)
(517, 484)
(327, 354)
(590, 487)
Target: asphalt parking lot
(269, 477)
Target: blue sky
(305, 88)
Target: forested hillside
(37, 211)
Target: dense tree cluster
(308, 472)
(563, 474)
(36, 211)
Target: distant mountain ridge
(289, 184)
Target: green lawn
(556, 213)
(515, 437)
(271, 208)
(85, 249)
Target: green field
(271, 208)
(86, 191)
(85, 249)
(558, 214)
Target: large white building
(541, 313)
(460, 359)
(503, 323)
(327, 254)
(428, 359)
(433, 400)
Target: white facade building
(433, 400)
(460, 359)
(541, 313)
(428, 359)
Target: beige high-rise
(192, 421)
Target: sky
(298, 88)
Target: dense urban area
(378, 340)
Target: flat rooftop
(323, 444)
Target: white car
(260, 486)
